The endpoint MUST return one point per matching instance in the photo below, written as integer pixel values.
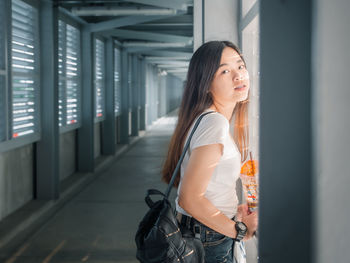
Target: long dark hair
(196, 98)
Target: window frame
(37, 91)
(4, 73)
(9, 141)
(67, 20)
(103, 117)
(117, 101)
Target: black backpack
(160, 238)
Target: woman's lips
(240, 88)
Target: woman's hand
(251, 221)
(242, 211)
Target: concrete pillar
(86, 131)
(108, 125)
(124, 117)
(285, 132)
(330, 126)
(142, 94)
(215, 20)
(47, 149)
(135, 96)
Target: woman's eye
(241, 67)
(225, 71)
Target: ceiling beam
(131, 34)
(153, 44)
(72, 16)
(167, 24)
(140, 49)
(170, 66)
(170, 62)
(179, 70)
(120, 11)
(176, 4)
(161, 53)
(120, 22)
(166, 58)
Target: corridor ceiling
(159, 30)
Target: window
(25, 77)
(2, 73)
(69, 98)
(117, 82)
(99, 79)
(130, 81)
(250, 49)
(249, 35)
(2, 36)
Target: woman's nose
(237, 76)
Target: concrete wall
(67, 154)
(16, 179)
(221, 20)
(331, 125)
(174, 90)
(17, 173)
(152, 99)
(97, 139)
(162, 91)
(250, 50)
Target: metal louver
(117, 82)
(99, 79)
(69, 74)
(25, 85)
(2, 73)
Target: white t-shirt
(221, 191)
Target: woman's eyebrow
(225, 64)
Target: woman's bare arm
(200, 168)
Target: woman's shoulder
(212, 129)
(215, 119)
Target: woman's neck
(227, 111)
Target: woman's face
(231, 80)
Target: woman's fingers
(243, 209)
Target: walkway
(98, 225)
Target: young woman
(207, 202)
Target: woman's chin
(243, 97)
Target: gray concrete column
(86, 131)
(142, 94)
(124, 117)
(47, 149)
(285, 132)
(215, 20)
(162, 93)
(108, 125)
(135, 96)
(198, 23)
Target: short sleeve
(212, 129)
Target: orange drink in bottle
(249, 177)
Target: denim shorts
(218, 248)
